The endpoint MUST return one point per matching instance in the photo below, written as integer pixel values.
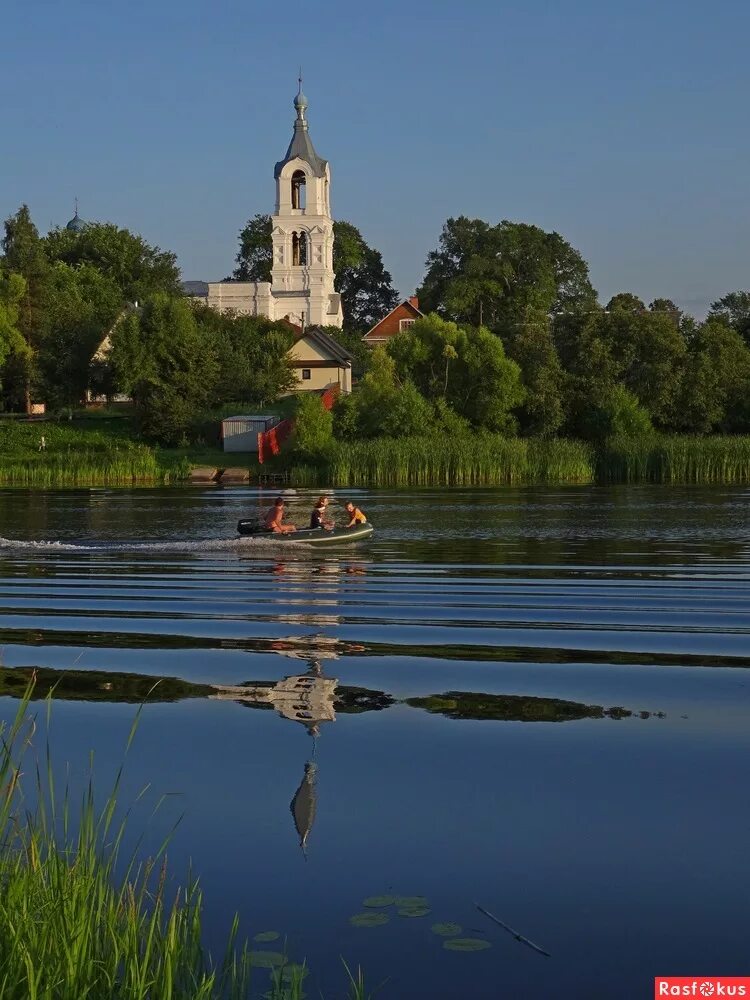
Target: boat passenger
(318, 517)
(355, 515)
(275, 518)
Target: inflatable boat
(310, 536)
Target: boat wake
(203, 545)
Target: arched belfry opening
(299, 249)
(299, 194)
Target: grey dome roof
(301, 145)
(76, 224)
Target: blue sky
(622, 126)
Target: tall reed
(118, 467)
(80, 920)
(677, 459)
(471, 460)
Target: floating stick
(515, 934)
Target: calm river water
(537, 700)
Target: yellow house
(320, 362)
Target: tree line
(514, 339)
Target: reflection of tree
(97, 685)
(514, 708)
(310, 699)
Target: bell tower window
(298, 189)
(299, 249)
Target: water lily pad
(266, 959)
(446, 930)
(267, 936)
(379, 901)
(410, 901)
(368, 919)
(466, 944)
(414, 911)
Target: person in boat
(275, 519)
(318, 517)
(355, 515)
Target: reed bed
(78, 919)
(139, 464)
(676, 459)
(491, 460)
(473, 460)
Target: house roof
(406, 302)
(326, 343)
(195, 288)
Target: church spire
(301, 145)
(300, 104)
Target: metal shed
(241, 433)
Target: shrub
(313, 429)
(616, 414)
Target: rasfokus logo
(702, 986)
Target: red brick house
(398, 319)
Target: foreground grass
(78, 920)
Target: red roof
(390, 325)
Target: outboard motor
(251, 526)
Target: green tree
(366, 288)
(255, 256)
(12, 294)
(138, 269)
(625, 302)
(83, 305)
(734, 309)
(627, 344)
(313, 429)
(490, 275)
(669, 308)
(716, 385)
(616, 413)
(163, 359)
(649, 351)
(531, 346)
(251, 355)
(23, 254)
(465, 367)
(383, 404)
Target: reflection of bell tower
(302, 233)
(304, 805)
(312, 710)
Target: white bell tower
(302, 231)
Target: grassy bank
(96, 451)
(77, 919)
(105, 450)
